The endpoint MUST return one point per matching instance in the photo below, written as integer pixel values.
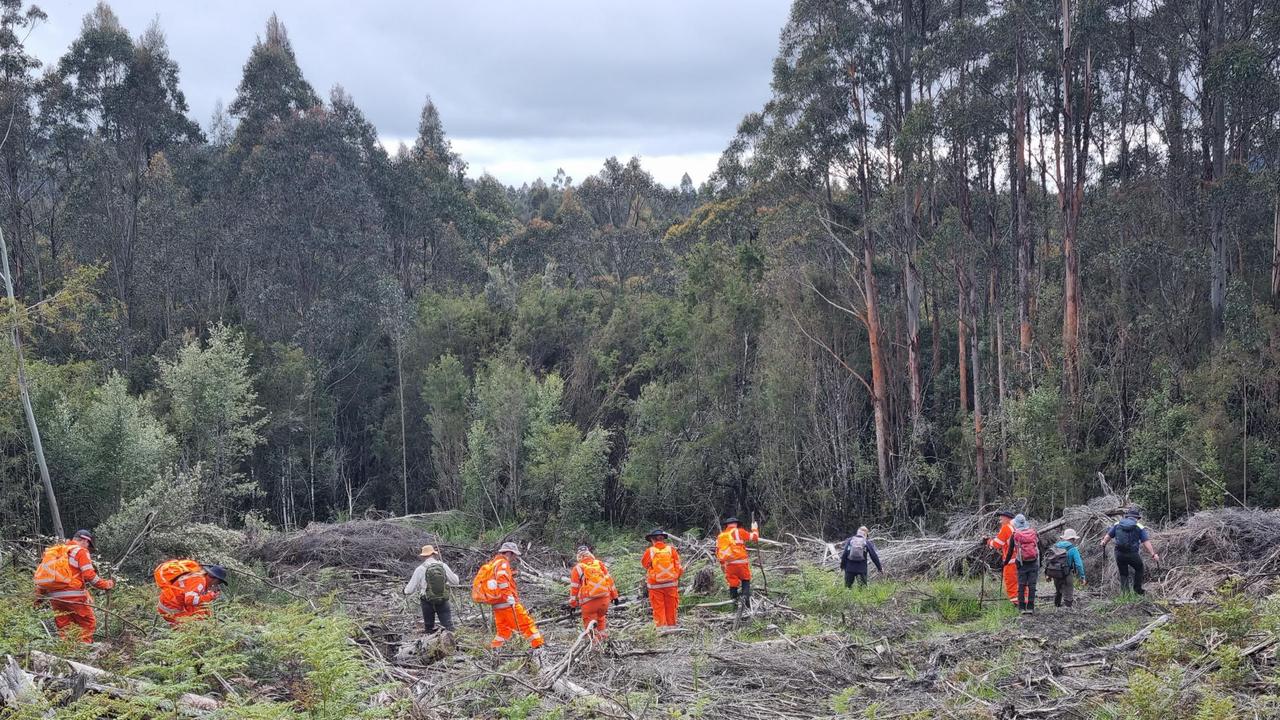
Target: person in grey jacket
(430, 582)
(853, 558)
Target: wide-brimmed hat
(216, 571)
(84, 535)
(427, 551)
(1070, 534)
(583, 550)
(656, 533)
(1134, 513)
(511, 548)
(1020, 522)
(1005, 513)
(732, 521)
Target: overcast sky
(523, 86)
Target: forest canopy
(968, 253)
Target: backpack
(595, 578)
(1128, 537)
(855, 549)
(1026, 545)
(55, 573)
(1058, 564)
(167, 573)
(728, 548)
(436, 586)
(662, 565)
(480, 591)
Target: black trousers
(431, 609)
(855, 573)
(1028, 574)
(1126, 561)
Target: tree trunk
(979, 444)
(962, 342)
(55, 517)
(1217, 239)
(1275, 251)
(879, 380)
(1021, 216)
(1075, 134)
(404, 452)
(913, 292)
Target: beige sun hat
(510, 547)
(1070, 534)
(427, 551)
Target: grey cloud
(664, 76)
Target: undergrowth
(288, 661)
(1197, 665)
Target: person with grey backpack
(430, 582)
(853, 558)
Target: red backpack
(1026, 545)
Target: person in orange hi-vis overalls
(187, 588)
(591, 589)
(1000, 543)
(731, 551)
(495, 585)
(662, 562)
(63, 577)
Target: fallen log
(1139, 637)
(17, 687)
(52, 664)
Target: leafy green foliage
(112, 450)
(211, 398)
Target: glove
(617, 601)
(511, 599)
(107, 585)
(573, 604)
(754, 526)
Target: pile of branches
(391, 544)
(1213, 546)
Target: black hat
(216, 571)
(1005, 513)
(1134, 513)
(85, 534)
(732, 521)
(657, 532)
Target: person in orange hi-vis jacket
(1000, 543)
(662, 562)
(63, 577)
(495, 585)
(731, 551)
(186, 589)
(591, 589)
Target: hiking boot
(1026, 611)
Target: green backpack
(436, 587)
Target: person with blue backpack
(853, 558)
(1130, 538)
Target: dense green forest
(968, 253)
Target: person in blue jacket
(1130, 537)
(1062, 562)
